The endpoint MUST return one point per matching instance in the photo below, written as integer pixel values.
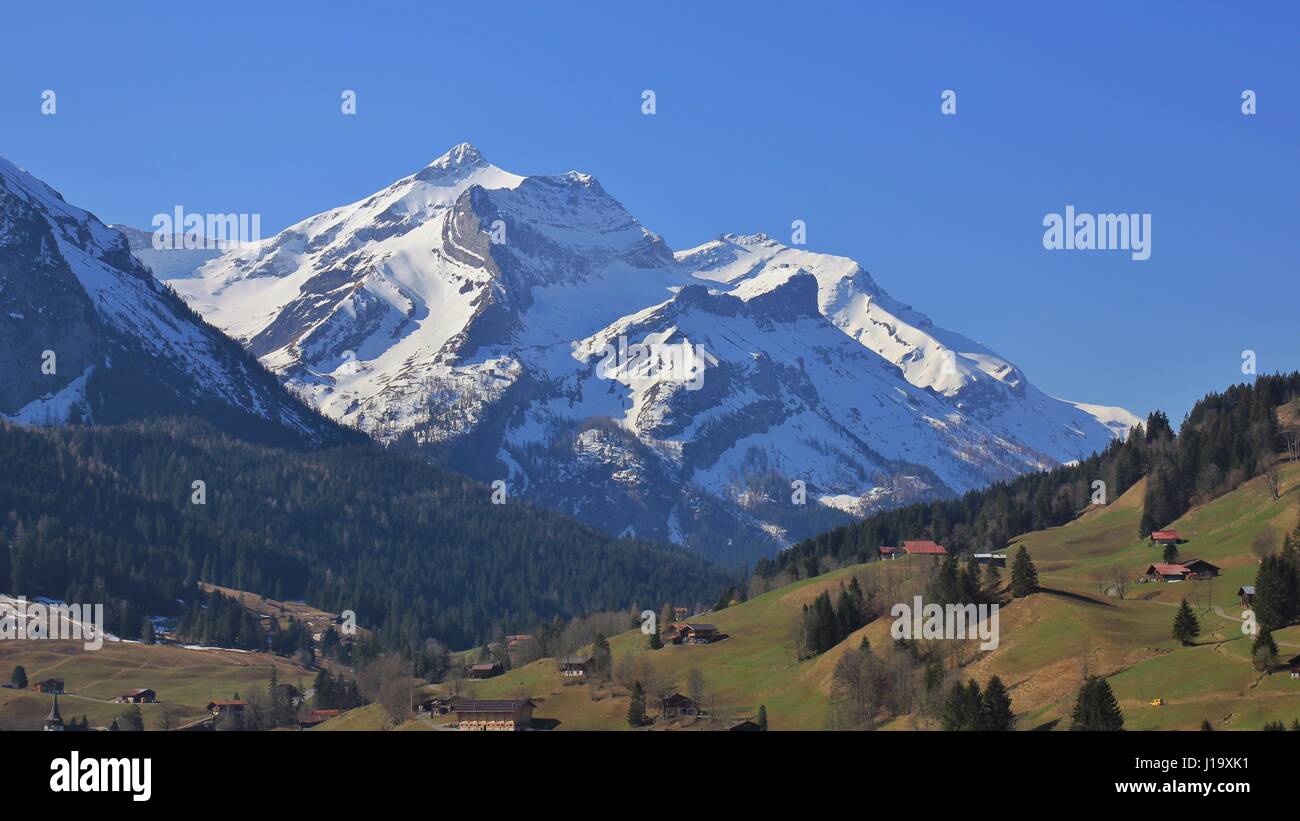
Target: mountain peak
(464, 155)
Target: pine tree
(762, 717)
(19, 678)
(1096, 708)
(602, 658)
(1264, 651)
(1277, 594)
(1024, 576)
(992, 577)
(952, 716)
(1170, 555)
(656, 643)
(995, 707)
(636, 707)
(962, 708)
(1186, 627)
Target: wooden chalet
(1200, 568)
(745, 726)
(1164, 537)
(575, 666)
(143, 695)
(486, 669)
(695, 633)
(889, 552)
(1247, 595)
(1161, 572)
(314, 717)
(995, 559)
(49, 686)
(434, 706)
(678, 705)
(472, 714)
(924, 547)
(224, 706)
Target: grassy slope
(187, 678)
(1045, 638)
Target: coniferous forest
(1224, 441)
(110, 515)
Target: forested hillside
(109, 515)
(1226, 439)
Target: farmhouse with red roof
(1167, 572)
(923, 547)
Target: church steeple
(54, 723)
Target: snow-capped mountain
(530, 329)
(86, 332)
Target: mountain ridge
(459, 311)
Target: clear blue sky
(767, 112)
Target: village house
(1200, 568)
(678, 705)
(141, 696)
(995, 559)
(695, 633)
(493, 715)
(512, 641)
(745, 726)
(924, 547)
(1247, 595)
(575, 666)
(434, 706)
(314, 717)
(888, 552)
(49, 686)
(1164, 537)
(486, 669)
(1161, 572)
(224, 706)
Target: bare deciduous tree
(1273, 481)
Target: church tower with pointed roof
(54, 722)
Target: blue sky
(766, 113)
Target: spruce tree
(602, 658)
(762, 717)
(1264, 651)
(636, 707)
(19, 678)
(992, 577)
(1096, 707)
(1024, 576)
(953, 715)
(995, 707)
(1277, 594)
(1186, 627)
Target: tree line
(107, 515)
